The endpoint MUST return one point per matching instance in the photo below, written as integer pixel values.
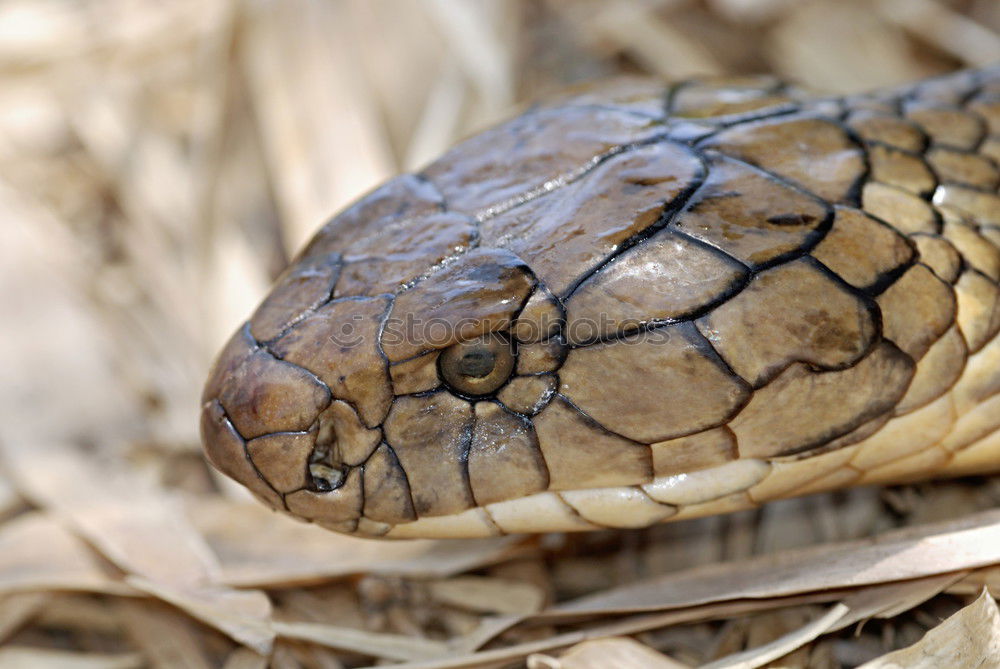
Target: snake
(636, 302)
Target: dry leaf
(278, 551)
(42, 658)
(970, 639)
(38, 553)
(987, 577)
(488, 595)
(782, 646)
(165, 637)
(244, 658)
(148, 537)
(19, 608)
(895, 556)
(619, 652)
(891, 599)
(388, 646)
(293, 48)
(243, 615)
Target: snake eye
(478, 366)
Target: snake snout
(296, 418)
(260, 418)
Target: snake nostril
(325, 473)
(342, 444)
(324, 478)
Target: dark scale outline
(409, 489)
(887, 278)
(884, 279)
(653, 229)
(963, 264)
(922, 157)
(466, 445)
(814, 236)
(667, 214)
(869, 304)
(541, 403)
(266, 348)
(977, 230)
(862, 418)
(983, 129)
(705, 347)
(334, 258)
(853, 192)
(736, 287)
(593, 422)
(973, 270)
(529, 426)
(971, 154)
(246, 454)
(938, 220)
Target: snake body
(631, 304)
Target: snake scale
(636, 303)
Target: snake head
(357, 393)
(597, 315)
(422, 372)
(362, 410)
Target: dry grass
(158, 162)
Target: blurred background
(160, 161)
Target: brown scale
(632, 303)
